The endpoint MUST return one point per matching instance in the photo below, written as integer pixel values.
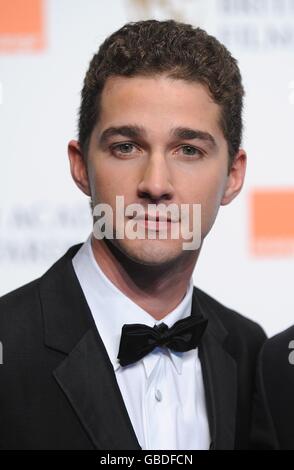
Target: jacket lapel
(86, 375)
(87, 378)
(219, 371)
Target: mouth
(156, 218)
(154, 222)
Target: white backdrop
(42, 213)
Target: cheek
(206, 187)
(213, 195)
(207, 190)
(209, 210)
(107, 184)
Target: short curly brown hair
(166, 47)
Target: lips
(157, 218)
(154, 218)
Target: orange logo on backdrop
(272, 222)
(21, 25)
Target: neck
(156, 289)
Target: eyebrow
(133, 131)
(190, 134)
(127, 131)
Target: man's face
(151, 162)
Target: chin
(151, 252)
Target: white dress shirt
(164, 391)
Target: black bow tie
(138, 340)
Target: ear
(235, 177)
(78, 167)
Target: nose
(155, 183)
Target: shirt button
(158, 395)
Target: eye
(123, 148)
(191, 151)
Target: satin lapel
(86, 375)
(219, 370)
(87, 378)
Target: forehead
(158, 103)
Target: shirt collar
(111, 309)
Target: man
(113, 347)
(273, 405)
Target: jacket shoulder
(279, 348)
(20, 324)
(20, 298)
(233, 321)
(19, 312)
(27, 295)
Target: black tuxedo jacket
(273, 422)
(58, 389)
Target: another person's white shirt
(164, 391)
